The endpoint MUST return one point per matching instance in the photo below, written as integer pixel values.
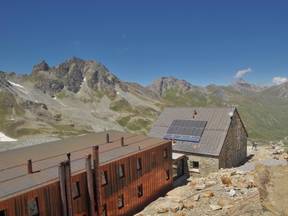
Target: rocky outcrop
(71, 74)
(50, 86)
(208, 196)
(42, 66)
(4, 84)
(139, 90)
(74, 78)
(280, 91)
(243, 86)
(99, 78)
(163, 84)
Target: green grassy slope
(265, 117)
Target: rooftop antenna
(68, 155)
(194, 113)
(122, 141)
(29, 166)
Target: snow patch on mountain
(16, 84)
(4, 138)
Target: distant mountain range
(78, 96)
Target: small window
(167, 174)
(76, 190)
(140, 190)
(104, 178)
(3, 212)
(195, 164)
(104, 210)
(121, 171)
(139, 164)
(165, 154)
(33, 208)
(120, 201)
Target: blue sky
(200, 41)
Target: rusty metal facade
(154, 178)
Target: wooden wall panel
(81, 204)
(48, 198)
(152, 177)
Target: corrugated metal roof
(213, 137)
(47, 157)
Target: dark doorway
(178, 168)
(3, 212)
(182, 167)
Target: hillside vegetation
(264, 115)
(79, 96)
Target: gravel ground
(272, 162)
(250, 166)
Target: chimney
(122, 141)
(107, 138)
(29, 166)
(194, 113)
(68, 156)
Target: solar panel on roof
(185, 130)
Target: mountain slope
(280, 91)
(79, 96)
(75, 97)
(264, 110)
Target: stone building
(211, 138)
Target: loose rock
(196, 197)
(215, 207)
(189, 204)
(200, 186)
(226, 180)
(208, 194)
(232, 193)
(210, 183)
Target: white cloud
(241, 73)
(279, 80)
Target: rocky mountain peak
(71, 74)
(243, 85)
(163, 84)
(4, 84)
(75, 59)
(278, 90)
(42, 66)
